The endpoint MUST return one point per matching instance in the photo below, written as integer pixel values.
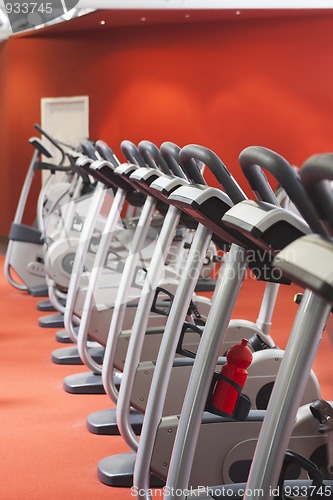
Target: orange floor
(45, 450)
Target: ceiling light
(102, 22)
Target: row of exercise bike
(209, 405)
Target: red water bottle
(225, 396)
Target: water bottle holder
(156, 305)
(243, 404)
(195, 313)
(113, 262)
(187, 327)
(315, 491)
(167, 304)
(93, 245)
(137, 281)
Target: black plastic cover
(27, 234)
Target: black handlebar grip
(259, 183)
(106, 153)
(315, 174)
(131, 153)
(88, 149)
(216, 166)
(170, 152)
(41, 148)
(255, 158)
(190, 167)
(153, 157)
(53, 141)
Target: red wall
(225, 85)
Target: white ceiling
(86, 6)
